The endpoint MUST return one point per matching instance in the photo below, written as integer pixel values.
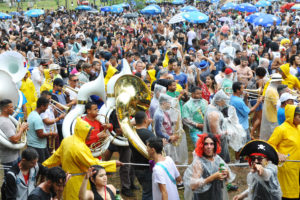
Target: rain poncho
(168, 123)
(48, 83)
(265, 186)
(151, 74)
(286, 140)
(195, 176)
(291, 81)
(166, 60)
(109, 73)
(214, 122)
(75, 157)
(158, 89)
(28, 89)
(237, 136)
(192, 114)
(269, 114)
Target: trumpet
(61, 108)
(255, 92)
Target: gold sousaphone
(132, 95)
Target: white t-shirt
(159, 175)
(191, 35)
(49, 114)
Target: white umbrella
(177, 18)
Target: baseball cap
(286, 96)
(228, 71)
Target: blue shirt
(281, 115)
(219, 65)
(182, 79)
(35, 123)
(242, 110)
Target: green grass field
(48, 4)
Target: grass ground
(240, 179)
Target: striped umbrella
(177, 18)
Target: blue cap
(203, 64)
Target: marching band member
(98, 133)
(9, 157)
(75, 157)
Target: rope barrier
(147, 165)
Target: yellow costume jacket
(291, 81)
(286, 140)
(75, 157)
(29, 91)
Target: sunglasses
(75, 80)
(258, 158)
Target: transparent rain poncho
(214, 122)
(167, 122)
(194, 180)
(158, 89)
(237, 136)
(265, 186)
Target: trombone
(69, 88)
(62, 109)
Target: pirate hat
(260, 147)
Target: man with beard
(205, 177)
(52, 187)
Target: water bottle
(118, 196)
(221, 167)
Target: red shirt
(97, 129)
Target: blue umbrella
(228, 6)
(151, 10)
(246, 7)
(214, 1)
(263, 3)
(296, 7)
(116, 9)
(151, 1)
(189, 9)
(15, 14)
(195, 17)
(83, 7)
(252, 17)
(34, 12)
(105, 9)
(177, 2)
(4, 16)
(266, 20)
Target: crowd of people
(217, 87)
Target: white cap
(54, 67)
(286, 96)
(276, 77)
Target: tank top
(97, 196)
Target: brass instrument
(24, 134)
(69, 88)
(66, 109)
(98, 146)
(52, 140)
(131, 95)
